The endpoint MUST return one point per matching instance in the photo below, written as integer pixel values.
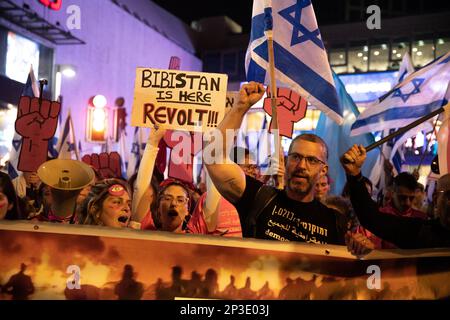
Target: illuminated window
(20, 55)
(422, 52)
(442, 46)
(358, 59)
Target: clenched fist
(36, 124)
(107, 164)
(249, 94)
(353, 160)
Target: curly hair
(94, 200)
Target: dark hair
(7, 188)
(96, 196)
(311, 138)
(405, 179)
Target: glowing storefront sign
(368, 86)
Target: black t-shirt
(285, 219)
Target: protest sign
(36, 122)
(291, 108)
(172, 99)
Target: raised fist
(107, 164)
(36, 124)
(183, 147)
(249, 94)
(291, 108)
(353, 160)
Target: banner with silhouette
(172, 99)
(75, 262)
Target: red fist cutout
(107, 164)
(36, 124)
(183, 148)
(291, 108)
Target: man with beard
(404, 232)
(291, 214)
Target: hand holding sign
(108, 165)
(291, 108)
(36, 124)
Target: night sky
(327, 12)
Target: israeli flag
(417, 95)
(301, 61)
(68, 148)
(137, 150)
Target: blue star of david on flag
(420, 93)
(135, 148)
(298, 27)
(70, 146)
(405, 96)
(300, 60)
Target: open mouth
(123, 219)
(172, 213)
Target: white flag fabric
(417, 95)
(392, 149)
(301, 62)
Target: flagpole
(268, 31)
(77, 154)
(408, 127)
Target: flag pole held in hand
(408, 127)
(268, 31)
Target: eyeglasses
(310, 160)
(178, 200)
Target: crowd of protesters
(238, 201)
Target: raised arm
(145, 173)
(401, 231)
(226, 175)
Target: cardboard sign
(76, 262)
(108, 165)
(36, 122)
(171, 99)
(291, 108)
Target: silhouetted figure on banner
(288, 292)
(246, 293)
(178, 287)
(210, 284)
(194, 285)
(128, 288)
(19, 285)
(230, 290)
(265, 293)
